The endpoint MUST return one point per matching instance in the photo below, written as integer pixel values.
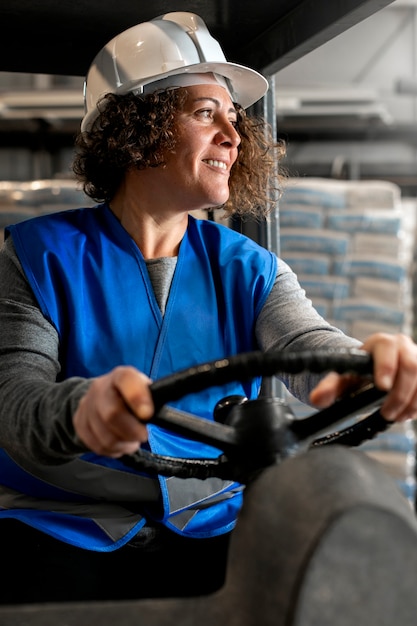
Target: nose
(227, 134)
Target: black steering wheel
(257, 433)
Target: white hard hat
(172, 44)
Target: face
(197, 173)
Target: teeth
(214, 163)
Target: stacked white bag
(20, 200)
(351, 243)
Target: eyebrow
(215, 101)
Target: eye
(205, 113)
(209, 114)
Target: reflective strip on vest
(102, 526)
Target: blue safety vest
(91, 282)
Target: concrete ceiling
(349, 108)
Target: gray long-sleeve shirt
(36, 411)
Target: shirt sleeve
(289, 321)
(35, 409)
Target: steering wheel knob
(223, 409)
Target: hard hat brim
(247, 86)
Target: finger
(133, 386)
(385, 353)
(401, 401)
(395, 371)
(103, 420)
(99, 439)
(330, 388)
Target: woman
(98, 302)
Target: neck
(156, 231)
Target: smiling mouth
(220, 164)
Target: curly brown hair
(137, 131)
